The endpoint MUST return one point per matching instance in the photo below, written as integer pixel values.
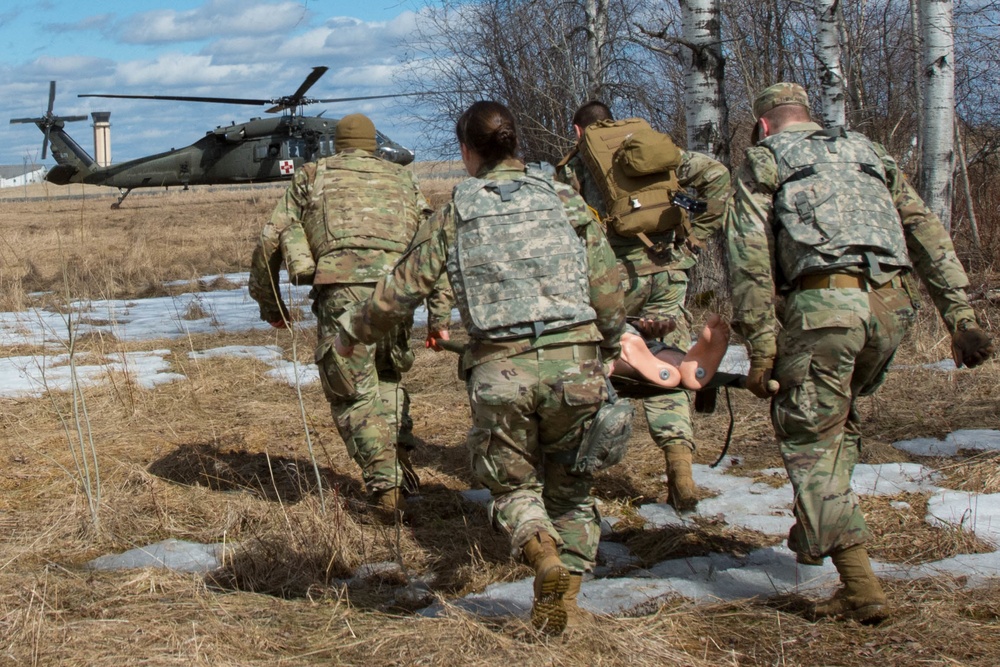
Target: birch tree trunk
(918, 88)
(831, 74)
(938, 155)
(596, 16)
(706, 116)
(705, 112)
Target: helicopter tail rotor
(49, 120)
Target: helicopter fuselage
(257, 151)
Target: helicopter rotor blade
(365, 97)
(182, 98)
(52, 97)
(45, 142)
(313, 77)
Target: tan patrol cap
(355, 131)
(777, 95)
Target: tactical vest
(833, 205)
(363, 202)
(517, 266)
(634, 167)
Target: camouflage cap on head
(355, 131)
(777, 95)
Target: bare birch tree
(535, 57)
(596, 22)
(938, 133)
(918, 89)
(831, 76)
(705, 112)
(706, 115)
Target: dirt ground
(228, 456)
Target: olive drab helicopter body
(256, 151)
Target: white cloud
(215, 18)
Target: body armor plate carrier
(833, 205)
(517, 265)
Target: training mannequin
(670, 367)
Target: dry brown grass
(222, 457)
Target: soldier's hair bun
(488, 128)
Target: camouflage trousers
(529, 413)
(368, 404)
(835, 345)
(661, 296)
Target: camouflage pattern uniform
(375, 207)
(656, 286)
(531, 397)
(839, 330)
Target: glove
(759, 380)
(970, 346)
(279, 324)
(433, 336)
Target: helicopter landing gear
(124, 193)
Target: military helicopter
(257, 151)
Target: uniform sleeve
(930, 248)
(413, 279)
(423, 207)
(750, 243)
(266, 260)
(710, 180)
(567, 174)
(440, 303)
(606, 294)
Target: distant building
(18, 175)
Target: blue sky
(222, 48)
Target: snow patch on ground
(971, 439)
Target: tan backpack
(635, 169)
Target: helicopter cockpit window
(295, 148)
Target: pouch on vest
(297, 255)
(634, 168)
(606, 439)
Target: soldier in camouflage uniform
(356, 213)
(835, 216)
(541, 299)
(655, 290)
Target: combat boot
(861, 597)
(389, 505)
(680, 484)
(574, 614)
(552, 579)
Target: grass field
(225, 457)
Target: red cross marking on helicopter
(286, 167)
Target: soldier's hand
(653, 328)
(759, 380)
(971, 346)
(433, 336)
(342, 347)
(279, 324)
